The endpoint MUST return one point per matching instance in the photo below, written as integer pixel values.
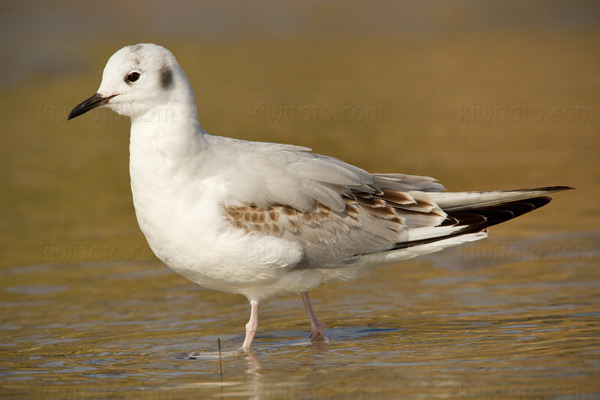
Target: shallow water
(481, 95)
(469, 323)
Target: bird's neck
(167, 149)
(166, 142)
(170, 130)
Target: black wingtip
(549, 189)
(478, 219)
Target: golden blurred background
(480, 95)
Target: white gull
(264, 219)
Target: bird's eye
(133, 76)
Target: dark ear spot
(166, 77)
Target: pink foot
(317, 334)
(317, 331)
(251, 326)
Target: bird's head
(137, 79)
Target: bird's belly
(188, 231)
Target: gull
(266, 219)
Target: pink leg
(317, 333)
(251, 326)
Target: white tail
(456, 201)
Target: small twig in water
(220, 360)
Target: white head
(138, 79)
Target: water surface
(480, 95)
(444, 325)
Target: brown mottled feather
(394, 209)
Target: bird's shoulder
(262, 174)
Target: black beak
(95, 101)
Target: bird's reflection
(254, 383)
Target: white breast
(180, 211)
